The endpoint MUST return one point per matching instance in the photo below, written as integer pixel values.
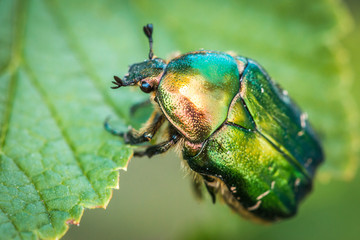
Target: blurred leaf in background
(57, 59)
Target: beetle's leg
(139, 105)
(161, 147)
(212, 186)
(146, 134)
(197, 187)
(112, 130)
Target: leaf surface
(56, 159)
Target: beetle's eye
(145, 87)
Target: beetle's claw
(118, 82)
(111, 130)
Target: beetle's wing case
(258, 175)
(279, 119)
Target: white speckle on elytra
(301, 133)
(261, 196)
(262, 90)
(297, 182)
(256, 206)
(285, 92)
(272, 185)
(308, 162)
(303, 118)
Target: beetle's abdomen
(196, 91)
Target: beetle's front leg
(145, 135)
(161, 147)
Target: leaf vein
(81, 56)
(12, 223)
(30, 180)
(57, 120)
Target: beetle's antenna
(148, 30)
(118, 82)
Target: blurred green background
(155, 199)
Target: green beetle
(239, 132)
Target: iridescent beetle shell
(240, 133)
(194, 89)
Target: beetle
(239, 132)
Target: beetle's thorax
(196, 91)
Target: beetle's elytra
(239, 132)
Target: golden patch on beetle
(196, 120)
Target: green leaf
(55, 159)
(57, 59)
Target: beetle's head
(146, 74)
